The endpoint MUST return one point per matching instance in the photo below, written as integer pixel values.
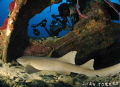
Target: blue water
(4, 11)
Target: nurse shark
(65, 65)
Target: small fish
(64, 65)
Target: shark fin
(69, 57)
(29, 69)
(88, 65)
(49, 55)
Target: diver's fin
(88, 65)
(69, 57)
(64, 73)
(29, 69)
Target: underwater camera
(55, 27)
(58, 25)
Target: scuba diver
(57, 25)
(68, 10)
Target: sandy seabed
(12, 75)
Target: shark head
(23, 61)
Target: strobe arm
(42, 24)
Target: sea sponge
(4, 25)
(11, 6)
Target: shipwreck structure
(90, 36)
